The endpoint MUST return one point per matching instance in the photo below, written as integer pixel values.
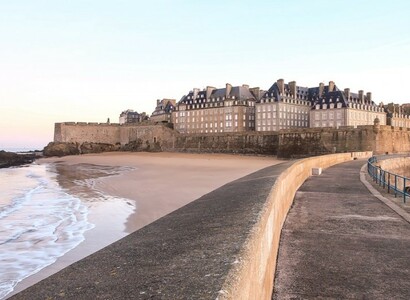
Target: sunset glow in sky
(89, 60)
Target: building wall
(273, 116)
(399, 120)
(215, 120)
(323, 116)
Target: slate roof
(237, 92)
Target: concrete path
(341, 242)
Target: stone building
(212, 110)
(283, 106)
(130, 116)
(163, 111)
(332, 107)
(398, 115)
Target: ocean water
(44, 214)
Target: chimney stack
(331, 86)
(361, 97)
(228, 90)
(245, 86)
(196, 91)
(256, 92)
(347, 94)
(292, 86)
(158, 101)
(281, 86)
(209, 90)
(321, 89)
(369, 97)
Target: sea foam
(39, 222)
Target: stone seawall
(253, 278)
(297, 143)
(399, 166)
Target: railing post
(384, 179)
(395, 185)
(404, 189)
(388, 183)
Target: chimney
(347, 94)
(369, 97)
(292, 86)
(209, 90)
(196, 91)
(228, 90)
(281, 86)
(321, 89)
(255, 92)
(331, 86)
(245, 86)
(158, 101)
(361, 97)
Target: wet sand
(155, 184)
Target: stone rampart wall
(134, 136)
(254, 278)
(296, 143)
(71, 132)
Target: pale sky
(88, 60)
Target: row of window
(296, 116)
(228, 124)
(296, 109)
(292, 123)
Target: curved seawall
(223, 245)
(397, 165)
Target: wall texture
(286, 143)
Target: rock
(97, 147)
(61, 149)
(9, 159)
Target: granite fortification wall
(286, 143)
(126, 136)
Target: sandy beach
(153, 184)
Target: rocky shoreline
(11, 159)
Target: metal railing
(393, 182)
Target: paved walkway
(341, 242)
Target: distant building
(398, 115)
(334, 108)
(130, 116)
(212, 110)
(163, 111)
(283, 106)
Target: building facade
(212, 110)
(332, 107)
(283, 106)
(163, 111)
(130, 116)
(398, 115)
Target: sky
(89, 60)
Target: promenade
(341, 242)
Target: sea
(44, 213)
